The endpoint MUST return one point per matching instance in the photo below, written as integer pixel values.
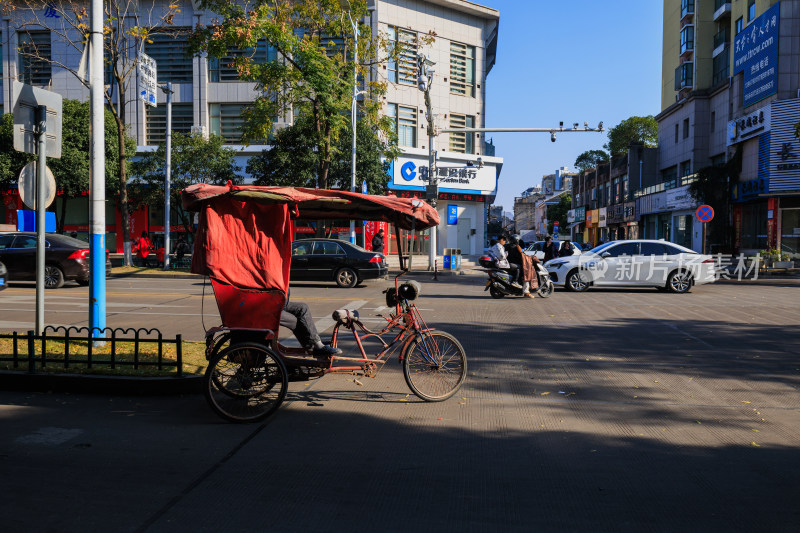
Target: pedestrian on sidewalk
(144, 248)
(377, 242)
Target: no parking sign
(705, 213)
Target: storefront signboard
(653, 203)
(629, 212)
(580, 214)
(753, 124)
(784, 157)
(680, 198)
(601, 217)
(411, 172)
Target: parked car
(66, 259)
(637, 263)
(3, 277)
(333, 260)
(535, 248)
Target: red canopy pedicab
(243, 244)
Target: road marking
(49, 436)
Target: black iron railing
(24, 352)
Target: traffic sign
(705, 213)
(148, 79)
(364, 187)
(27, 185)
(25, 101)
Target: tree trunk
(123, 183)
(63, 217)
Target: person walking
(144, 248)
(377, 242)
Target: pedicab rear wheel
(435, 366)
(245, 382)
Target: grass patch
(193, 352)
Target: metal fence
(23, 348)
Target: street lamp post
(424, 81)
(353, 121)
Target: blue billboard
(755, 53)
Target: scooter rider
(499, 253)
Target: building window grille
(462, 69)
(226, 121)
(721, 66)
(462, 142)
(404, 69)
(182, 121)
(687, 39)
(684, 76)
(169, 50)
(222, 69)
(34, 57)
(404, 124)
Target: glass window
(653, 248)
(404, 69)
(5, 241)
(751, 10)
(301, 248)
(687, 39)
(224, 69)
(404, 123)
(686, 168)
(226, 121)
(669, 177)
(34, 57)
(463, 143)
(676, 133)
(327, 248)
(627, 248)
(739, 25)
(720, 66)
(169, 50)
(182, 121)
(462, 69)
(686, 128)
(24, 241)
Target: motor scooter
(500, 283)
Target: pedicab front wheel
(245, 382)
(435, 366)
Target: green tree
(633, 129)
(312, 74)
(71, 171)
(714, 187)
(195, 159)
(797, 130)
(559, 212)
(589, 159)
(292, 161)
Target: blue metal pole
(97, 242)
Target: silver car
(634, 263)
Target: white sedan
(536, 248)
(636, 263)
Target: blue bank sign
(755, 53)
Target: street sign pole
(97, 241)
(41, 177)
(168, 177)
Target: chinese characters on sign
(146, 71)
(756, 54)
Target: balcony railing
(684, 76)
(721, 37)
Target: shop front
(631, 220)
(614, 222)
(655, 221)
(591, 234)
(601, 223)
(465, 192)
(686, 229)
(789, 227)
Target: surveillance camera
(600, 126)
(552, 137)
(575, 126)
(561, 124)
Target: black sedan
(334, 260)
(66, 259)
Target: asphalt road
(613, 411)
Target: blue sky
(570, 60)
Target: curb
(93, 384)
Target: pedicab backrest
(249, 308)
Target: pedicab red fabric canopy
(245, 232)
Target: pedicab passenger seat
(249, 309)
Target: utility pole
(97, 243)
(167, 175)
(424, 81)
